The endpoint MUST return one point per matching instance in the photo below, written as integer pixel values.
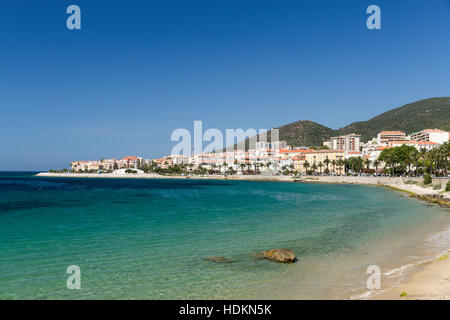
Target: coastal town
(421, 152)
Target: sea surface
(148, 239)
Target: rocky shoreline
(434, 199)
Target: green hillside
(429, 113)
(423, 114)
(305, 133)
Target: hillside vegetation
(412, 117)
(429, 113)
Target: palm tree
(327, 162)
(410, 157)
(387, 156)
(415, 160)
(376, 163)
(430, 156)
(333, 163)
(345, 164)
(422, 156)
(444, 150)
(306, 166)
(351, 164)
(446, 153)
(314, 167)
(367, 163)
(339, 164)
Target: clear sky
(137, 70)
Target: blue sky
(137, 70)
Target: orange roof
(129, 158)
(322, 151)
(266, 149)
(382, 148)
(291, 151)
(413, 142)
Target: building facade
(427, 145)
(384, 137)
(350, 142)
(430, 135)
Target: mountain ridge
(411, 117)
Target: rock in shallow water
(280, 255)
(219, 259)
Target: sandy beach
(428, 280)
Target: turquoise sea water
(147, 239)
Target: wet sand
(429, 281)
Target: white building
(373, 152)
(388, 136)
(353, 154)
(350, 142)
(428, 145)
(260, 145)
(431, 135)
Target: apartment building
(373, 151)
(320, 156)
(260, 145)
(350, 142)
(384, 137)
(430, 135)
(78, 166)
(428, 145)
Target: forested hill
(429, 113)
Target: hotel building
(350, 142)
(384, 137)
(431, 135)
(428, 145)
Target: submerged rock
(219, 259)
(280, 255)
